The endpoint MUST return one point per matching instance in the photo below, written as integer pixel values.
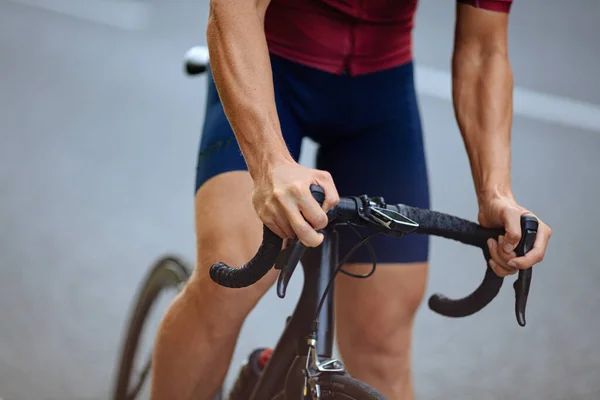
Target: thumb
(512, 227)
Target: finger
(303, 230)
(497, 263)
(284, 225)
(312, 212)
(506, 257)
(536, 254)
(511, 218)
(276, 229)
(332, 198)
(280, 218)
(501, 271)
(275, 219)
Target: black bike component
(328, 256)
(374, 214)
(349, 209)
(195, 69)
(444, 225)
(363, 211)
(393, 220)
(255, 269)
(293, 254)
(334, 386)
(261, 263)
(318, 193)
(318, 264)
(343, 386)
(491, 284)
(529, 227)
(451, 227)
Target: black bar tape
(251, 272)
(467, 232)
(448, 226)
(255, 269)
(476, 301)
(346, 209)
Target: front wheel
(167, 273)
(344, 387)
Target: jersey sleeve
(492, 5)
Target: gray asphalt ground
(98, 137)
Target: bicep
(482, 25)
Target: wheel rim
(167, 274)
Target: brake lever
(286, 263)
(529, 226)
(288, 258)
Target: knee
(380, 323)
(380, 355)
(389, 340)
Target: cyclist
(341, 73)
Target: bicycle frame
(318, 265)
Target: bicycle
(301, 364)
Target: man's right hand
(283, 201)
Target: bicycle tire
(168, 272)
(344, 387)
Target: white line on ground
(124, 14)
(528, 103)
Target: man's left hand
(503, 211)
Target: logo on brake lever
(393, 220)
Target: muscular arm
(242, 72)
(482, 92)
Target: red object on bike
(264, 358)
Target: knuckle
(263, 214)
(295, 189)
(331, 202)
(301, 230)
(278, 195)
(321, 220)
(325, 175)
(513, 234)
(269, 211)
(335, 198)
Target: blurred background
(98, 135)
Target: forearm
(241, 69)
(482, 94)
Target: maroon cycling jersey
(348, 36)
